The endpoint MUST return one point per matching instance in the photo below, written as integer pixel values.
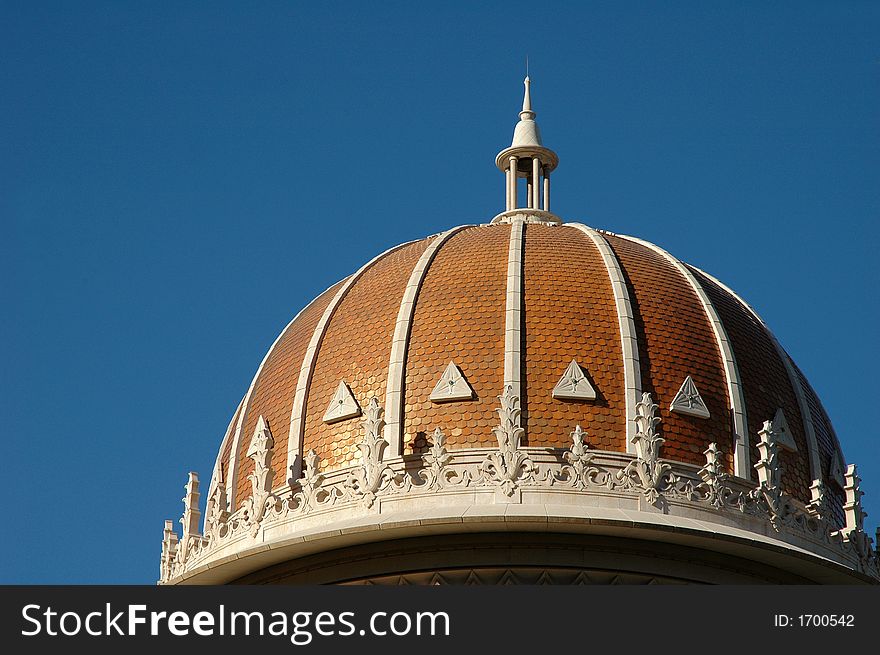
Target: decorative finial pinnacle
(527, 99)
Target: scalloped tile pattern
(273, 394)
(766, 385)
(676, 340)
(459, 315)
(570, 314)
(356, 348)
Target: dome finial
(527, 113)
(527, 158)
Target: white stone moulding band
(513, 310)
(794, 380)
(298, 408)
(632, 376)
(236, 440)
(736, 402)
(582, 484)
(215, 472)
(400, 343)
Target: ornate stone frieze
(437, 473)
(770, 475)
(310, 482)
(578, 458)
(507, 474)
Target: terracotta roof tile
(676, 340)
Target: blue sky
(178, 179)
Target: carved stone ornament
(508, 466)
(342, 406)
(438, 474)
(854, 513)
(260, 452)
(818, 505)
(578, 458)
(784, 437)
(217, 511)
(451, 386)
(311, 480)
(191, 516)
(574, 385)
(689, 401)
(770, 475)
(646, 471)
(169, 551)
(714, 477)
(373, 474)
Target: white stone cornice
(400, 342)
(573, 490)
(735, 398)
(794, 380)
(513, 311)
(632, 376)
(298, 408)
(245, 403)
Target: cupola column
(511, 185)
(536, 183)
(546, 206)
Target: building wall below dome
(520, 558)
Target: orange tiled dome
(446, 296)
(516, 400)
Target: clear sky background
(178, 179)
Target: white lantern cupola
(527, 159)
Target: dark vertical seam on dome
(796, 386)
(632, 376)
(732, 378)
(647, 384)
